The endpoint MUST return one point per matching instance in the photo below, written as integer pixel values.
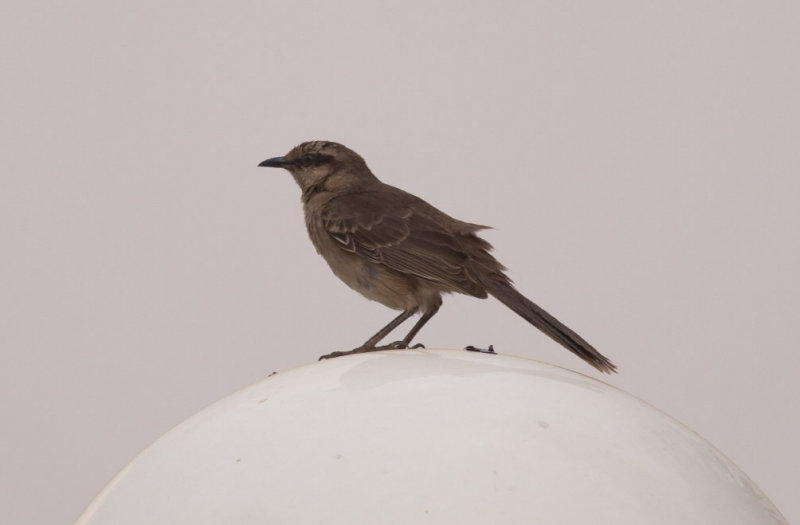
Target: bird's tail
(499, 286)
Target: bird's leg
(416, 328)
(383, 332)
(369, 345)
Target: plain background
(639, 163)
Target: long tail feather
(505, 292)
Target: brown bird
(397, 249)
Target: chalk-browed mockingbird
(397, 249)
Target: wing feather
(407, 235)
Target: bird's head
(321, 163)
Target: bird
(396, 249)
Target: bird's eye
(308, 159)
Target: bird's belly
(372, 280)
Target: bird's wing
(406, 235)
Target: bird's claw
(397, 345)
(489, 350)
(400, 345)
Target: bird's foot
(397, 345)
(359, 350)
(400, 345)
(489, 350)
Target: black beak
(276, 162)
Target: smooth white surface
(433, 436)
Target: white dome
(431, 436)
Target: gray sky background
(646, 155)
